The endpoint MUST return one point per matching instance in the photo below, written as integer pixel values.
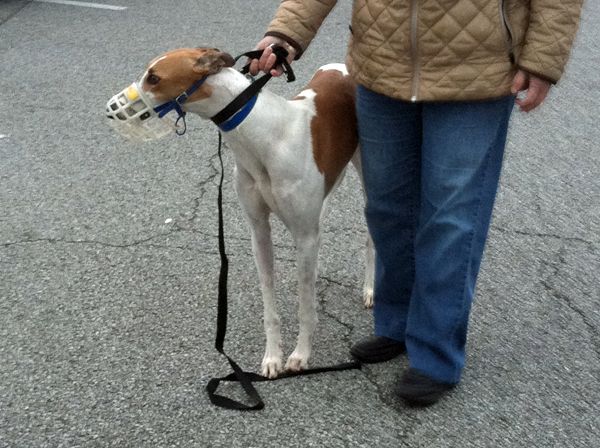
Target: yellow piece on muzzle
(132, 93)
(133, 116)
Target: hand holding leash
(267, 62)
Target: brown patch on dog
(299, 97)
(177, 70)
(334, 128)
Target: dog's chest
(284, 179)
(267, 178)
(252, 173)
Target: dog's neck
(258, 128)
(224, 86)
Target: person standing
(437, 81)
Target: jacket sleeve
(297, 21)
(552, 28)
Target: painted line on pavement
(84, 4)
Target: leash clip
(182, 98)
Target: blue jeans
(431, 173)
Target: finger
(254, 68)
(519, 82)
(526, 104)
(276, 71)
(542, 85)
(542, 96)
(265, 58)
(253, 64)
(532, 100)
(540, 89)
(271, 63)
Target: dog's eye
(152, 79)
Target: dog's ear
(212, 62)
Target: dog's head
(138, 112)
(172, 73)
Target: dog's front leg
(262, 247)
(257, 214)
(307, 247)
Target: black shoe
(418, 389)
(377, 349)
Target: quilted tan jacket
(434, 50)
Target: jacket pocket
(507, 30)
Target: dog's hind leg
(307, 247)
(370, 251)
(257, 214)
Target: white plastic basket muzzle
(132, 115)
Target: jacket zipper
(507, 30)
(414, 50)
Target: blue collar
(228, 125)
(239, 116)
(175, 104)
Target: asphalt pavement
(108, 260)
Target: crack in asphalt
(366, 371)
(202, 186)
(100, 243)
(140, 243)
(594, 335)
(546, 235)
(335, 282)
(144, 243)
(555, 269)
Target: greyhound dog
(290, 155)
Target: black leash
(248, 93)
(246, 379)
(238, 374)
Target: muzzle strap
(175, 104)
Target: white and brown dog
(289, 157)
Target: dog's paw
(368, 297)
(296, 362)
(271, 366)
